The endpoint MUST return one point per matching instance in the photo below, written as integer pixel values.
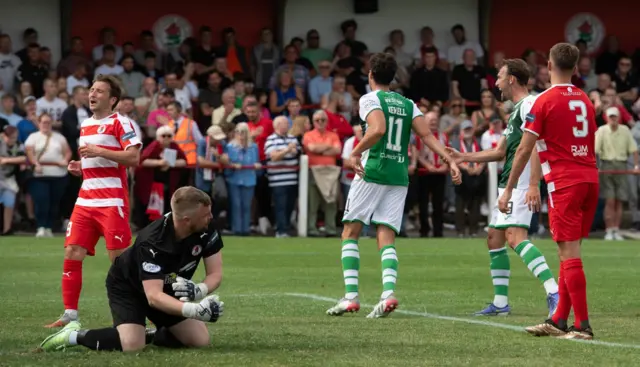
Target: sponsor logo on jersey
(102, 129)
(213, 239)
(188, 267)
(196, 250)
(580, 150)
(129, 135)
(394, 157)
(150, 268)
(585, 27)
(170, 31)
(530, 117)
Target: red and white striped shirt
(104, 181)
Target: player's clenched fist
(186, 290)
(208, 310)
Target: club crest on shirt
(102, 129)
(197, 249)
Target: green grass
(264, 327)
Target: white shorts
(520, 215)
(370, 202)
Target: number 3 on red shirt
(581, 117)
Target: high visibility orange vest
(184, 139)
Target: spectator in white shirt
(109, 66)
(9, 64)
(78, 78)
(456, 52)
(108, 37)
(51, 104)
(173, 81)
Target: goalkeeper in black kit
(151, 280)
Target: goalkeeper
(151, 280)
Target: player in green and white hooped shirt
(378, 192)
(513, 226)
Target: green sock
(500, 273)
(350, 267)
(537, 264)
(389, 270)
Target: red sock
(577, 285)
(564, 304)
(71, 283)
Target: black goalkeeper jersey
(157, 255)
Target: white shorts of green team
(372, 203)
(518, 216)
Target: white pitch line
(465, 320)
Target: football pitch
(276, 292)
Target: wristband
(189, 310)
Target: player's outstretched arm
(421, 129)
(490, 155)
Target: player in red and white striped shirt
(108, 145)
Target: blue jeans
(284, 200)
(241, 198)
(47, 193)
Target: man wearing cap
(614, 145)
(209, 176)
(29, 124)
(470, 193)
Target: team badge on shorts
(197, 249)
(102, 128)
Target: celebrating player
(562, 120)
(378, 193)
(148, 279)
(108, 145)
(513, 225)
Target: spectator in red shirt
(336, 122)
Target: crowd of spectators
(233, 120)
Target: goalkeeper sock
(500, 273)
(350, 267)
(98, 339)
(164, 338)
(389, 270)
(71, 283)
(537, 264)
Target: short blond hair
(186, 199)
(279, 119)
(299, 125)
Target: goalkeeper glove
(208, 310)
(186, 290)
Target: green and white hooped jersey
(387, 162)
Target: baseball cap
(613, 111)
(28, 99)
(216, 132)
(466, 124)
(167, 92)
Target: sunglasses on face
(167, 136)
(320, 120)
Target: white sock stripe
(500, 273)
(540, 269)
(351, 281)
(535, 262)
(388, 279)
(389, 251)
(350, 273)
(498, 250)
(350, 246)
(500, 281)
(355, 254)
(525, 249)
(390, 257)
(391, 272)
